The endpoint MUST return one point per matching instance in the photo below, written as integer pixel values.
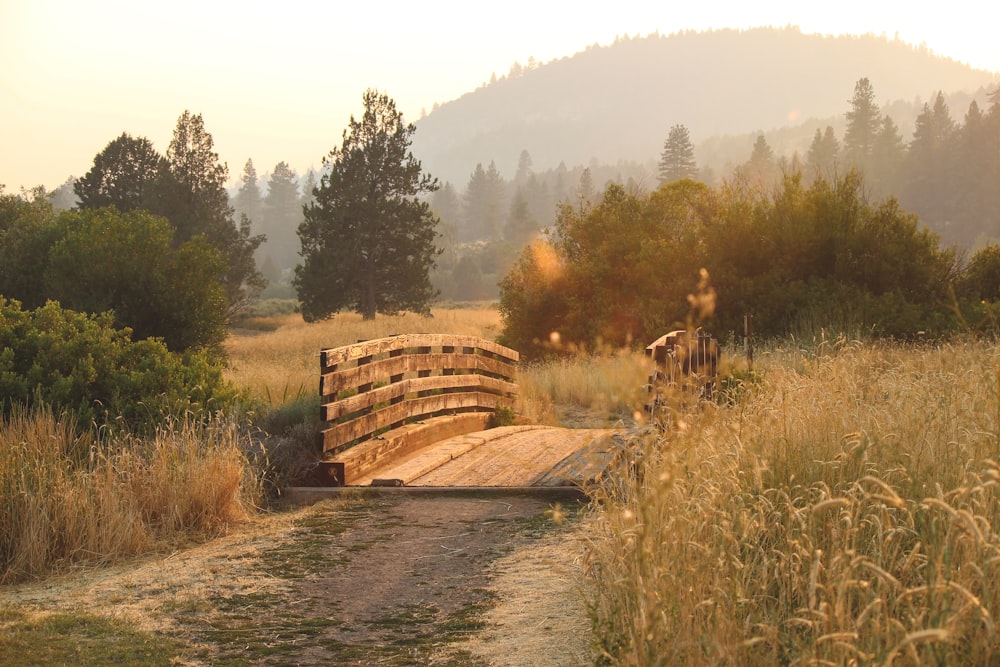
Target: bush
(82, 365)
(620, 272)
(128, 263)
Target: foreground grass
(70, 497)
(30, 640)
(843, 511)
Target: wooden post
(748, 337)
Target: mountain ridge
(617, 103)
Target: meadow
(840, 508)
(837, 503)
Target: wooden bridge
(417, 411)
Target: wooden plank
(522, 458)
(339, 355)
(360, 461)
(398, 390)
(417, 408)
(340, 380)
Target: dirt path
(394, 579)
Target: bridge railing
(382, 398)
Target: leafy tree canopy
(84, 365)
(620, 272)
(98, 260)
(123, 175)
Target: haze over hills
(617, 103)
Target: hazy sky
(278, 81)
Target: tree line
(152, 239)
(467, 242)
(947, 173)
(806, 255)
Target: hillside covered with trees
(617, 103)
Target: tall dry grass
(843, 511)
(610, 388)
(278, 360)
(70, 498)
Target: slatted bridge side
(385, 398)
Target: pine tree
(309, 183)
(977, 166)
(282, 216)
(821, 160)
(368, 239)
(761, 170)
(248, 200)
(677, 159)
(930, 164)
(863, 124)
(484, 204)
(191, 193)
(447, 208)
(585, 191)
(523, 169)
(888, 154)
(520, 224)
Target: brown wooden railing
(383, 398)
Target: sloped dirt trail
(392, 579)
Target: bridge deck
(514, 456)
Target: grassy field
(842, 510)
(837, 505)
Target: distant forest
(948, 174)
(759, 104)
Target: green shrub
(82, 365)
(502, 416)
(131, 264)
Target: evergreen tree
(192, 195)
(282, 216)
(368, 239)
(560, 189)
(761, 170)
(523, 169)
(447, 209)
(520, 225)
(930, 166)
(888, 154)
(123, 175)
(64, 197)
(248, 200)
(539, 201)
(863, 124)
(484, 204)
(677, 159)
(585, 191)
(977, 165)
(309, 183)
(991, 174)
(821, 160)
